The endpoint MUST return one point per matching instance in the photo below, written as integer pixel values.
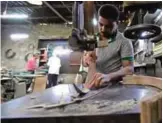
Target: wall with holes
(21, 47)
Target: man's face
(106, 27)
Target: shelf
(140, 65)
(157, 55)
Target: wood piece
(40, 84)
(91, 72)
(150, 112)
(143, 116)
(151, 107)
(160, 107)
(143, 80)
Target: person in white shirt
(54, 64)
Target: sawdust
(102, 106)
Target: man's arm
(127, 58)
(127, 69)
(88, 57)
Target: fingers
(103, 83)
(95, 82)
(98, 81)
(91, 83)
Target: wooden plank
(160, 107)
(40, 84)
(91, 72)
(143, 116)
(143, 80)
(151, 109)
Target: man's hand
(98, 80)
(88, 57)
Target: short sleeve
(126, 51)
(59, 62)
(48, 62)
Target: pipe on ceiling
(55, 11)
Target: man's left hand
(98, 80)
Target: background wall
(35, 32)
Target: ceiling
(45, 13)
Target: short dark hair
(109, 12)
(36, 54)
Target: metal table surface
(16, 110)
(28, 76)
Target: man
(54, 64)
(114, 61)
(31, 65)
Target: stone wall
(35, 32)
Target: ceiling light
(70, 23)
(94, 21)
(18, 36)
(35, 2)
(14, 16)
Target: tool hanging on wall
(9, 54)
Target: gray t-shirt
(109, 59)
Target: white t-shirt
(54, 64)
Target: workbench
(7, 88)
(16, 111)
(30, 77)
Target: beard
(106, 34)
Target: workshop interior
(69, 28)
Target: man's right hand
(88, 57)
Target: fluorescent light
(70, 23)
(14, 16)
(94, 21)
(35, 2)
(18, 36)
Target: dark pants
(52, 80)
